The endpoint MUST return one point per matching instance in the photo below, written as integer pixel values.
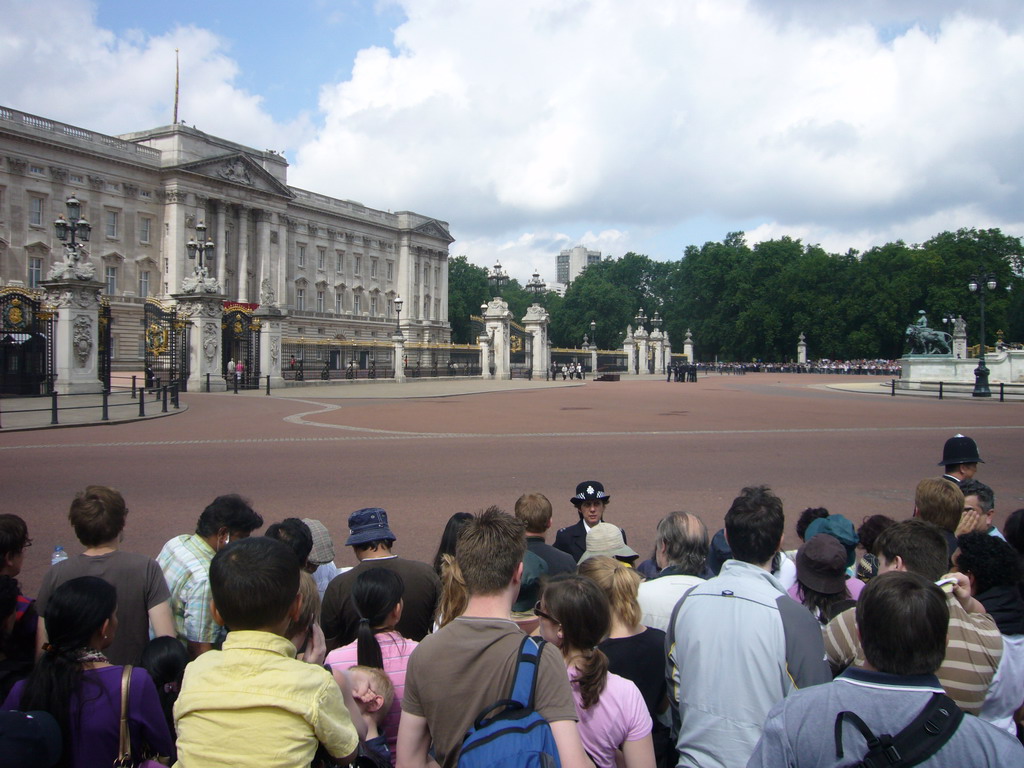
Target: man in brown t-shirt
(469, 664)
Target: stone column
(243, 254)
(205, 310)
(641, 337)
(629, 347)
(536, 323)
(399, 341)
(485, 356)
(271, 325)
(801, 350)
(666, 352)
(262, 259)
(659, 360)
(174, 243)
(77, 333)
(688, 347)
(496, 322)
(220, 241)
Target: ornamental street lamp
(198, 248)
(656, 321)
(73, 226)
(640, 320)
(981, 284)
(535, 285)
(593, 333)
(497, 277)
(398, 313)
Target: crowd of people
(723, 650)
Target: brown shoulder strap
(124, 753)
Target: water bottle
(59, 556)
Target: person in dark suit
(960, 459)
(590, 502)
(534, 510)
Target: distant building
(572, 261)
(335, 265)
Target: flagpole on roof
(177, 76)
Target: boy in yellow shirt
(253, 703)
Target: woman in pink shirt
(377, 597)
(575, 616)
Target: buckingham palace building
(333, 267)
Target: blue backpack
(517, 736)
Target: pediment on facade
(145, 261)
(239, 169)
(434, 228)
(112, 256)
(37, 245)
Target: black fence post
(236, 383)
(940, 390)
(133, 387)
(142, 402)
(163, 392)
(892, 387)
(1001, 392)
(106, 406)
(207, 382)
(53, 407)
(268, 383)
(174, 397)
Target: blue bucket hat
(370, 524)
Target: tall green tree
(467, 290)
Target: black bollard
(142, 402)
(53, 407)
(106, 409)
(133, 387)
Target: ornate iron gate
(104, 348)
(166, 357)
(240, 343)
(26, 344)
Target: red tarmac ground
(656, 446)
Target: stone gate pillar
(659, 360)
(688, 347)
(959, 339)
(801, 350)
(536, 323)
(485, 356)
(206, 311)
(399, 341)
(76, 346)
(629, 347)
(271, 326)
(641, 358)
(496, 322)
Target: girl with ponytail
(575, 616)
(634, 651)
(74, 682)
(377, 597)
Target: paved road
(323, 452)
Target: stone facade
(334, 266)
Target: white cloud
(56, 61)
(525, 116)
(536, 125)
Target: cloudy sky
(536, 125)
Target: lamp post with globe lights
(497, 277)
(982, 284)
(74, 227)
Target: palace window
(319, 301)
(145, 229)
(144, 283)
(358, 265)
(300, 298)
(35, 211)
(35, 271)
(357, 304)
(300, 254)
(339, 304)
(373, 267)
(321, 258)
(391, 270)
(111, 279)
(111, 222)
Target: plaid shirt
(185, 561)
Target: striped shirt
(395, 651)
(185, 561)
(972, 653)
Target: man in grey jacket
(742, 644)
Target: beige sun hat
(606, 539)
